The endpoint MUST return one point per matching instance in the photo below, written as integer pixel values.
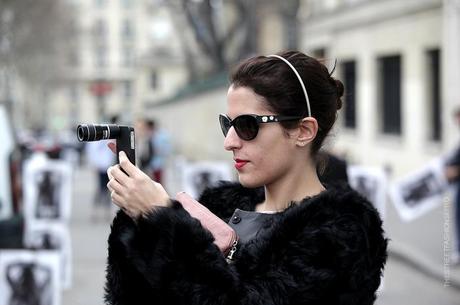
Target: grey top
(248, 224)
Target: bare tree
(224, 38)
(289, 10)
(219, 38)
(34, 42)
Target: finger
(113, 147)
(119, 175)
(109, 188)
(114, 185)
(129, 168)
(117, 199)
(109, 172)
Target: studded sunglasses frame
(247, 125)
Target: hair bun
(340, 90)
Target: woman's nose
(232, 141)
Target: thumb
(125, 164)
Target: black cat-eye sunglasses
(247, 125)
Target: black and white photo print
(29, 277)
(198, 176)
(420, 191)
(47, 189)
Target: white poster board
(6, 149)
(420, 191)
(371, 183)
(47, 189)
(52, 236)
(29, 277)
(198, 176)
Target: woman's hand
(132, 190)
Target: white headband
(300, 80)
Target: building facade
(393, 59)
(102, 70)
(399, 63)
(397, 59)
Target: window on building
(390, 94)
(73, 102)
(126, 3)
(127, 89)
(349, 78)
(72, 58)
(100, 3)
(100, 30)
(153, 79)
(100, 56)
(434, 94)
(127, 30)
(73, 94)
(127, 56)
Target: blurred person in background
(453, 175)
(332, 170)
(144, 145)
(298, 242)
(99, 158)
(161, 150)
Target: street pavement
(89, 243)
(416, 272)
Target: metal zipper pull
(232, 251)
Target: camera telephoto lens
(96, 132)
(82, 133)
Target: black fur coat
(327, 249)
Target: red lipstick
(239, 164)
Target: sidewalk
(89, 244)
(424, 244)
(447, 274)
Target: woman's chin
(249, 183)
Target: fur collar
(223, 199)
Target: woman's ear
(308, 128)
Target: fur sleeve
(165, 258)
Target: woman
(299, 242)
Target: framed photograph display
(420, 191)
(29, 277)
(198, 176)
(47, 189)
(371, 182)
(6, 149)
(52, 236)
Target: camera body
(124, 136)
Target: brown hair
(274, 80)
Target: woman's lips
(239, 164)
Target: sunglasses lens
(246, 127)
(224, 124)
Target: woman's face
(268, 157)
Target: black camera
(124, 135)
